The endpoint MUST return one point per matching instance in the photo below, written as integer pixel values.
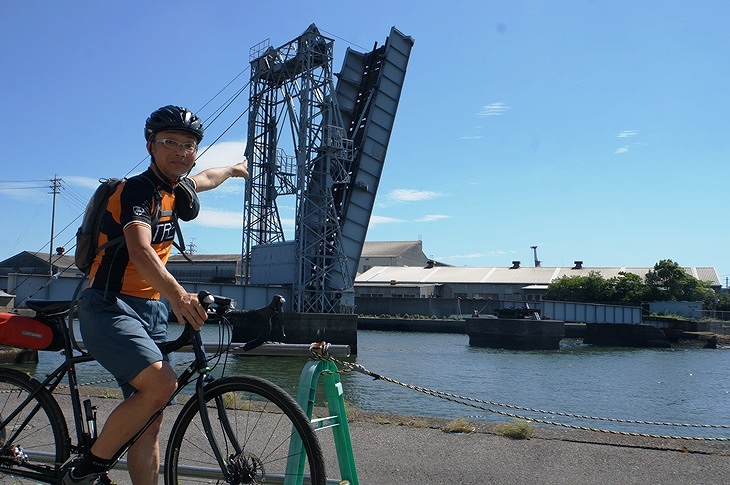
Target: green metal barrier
(336, 420)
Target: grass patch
(111, 394)
(416, 423)
(517, 429)
(458, 425)
(352, 411)
(377, 419)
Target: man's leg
(154, 385)
(143, 458)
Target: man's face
(173, 158)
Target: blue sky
(596, 130)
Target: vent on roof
(515, 265)
(429, 264)
(578, 265)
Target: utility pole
(55, 188)
(191, 247)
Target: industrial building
(387, 269)
(512, 283)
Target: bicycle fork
(228, 472)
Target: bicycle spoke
(255, 437)
(34, 437)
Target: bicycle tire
(41, 444)
(264, 418)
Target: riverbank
(408, 450)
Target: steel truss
(292, 94)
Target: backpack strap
(180, 243)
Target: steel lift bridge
(323, 148)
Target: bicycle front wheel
(34, 440)
(258, 429)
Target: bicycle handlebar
(217, 307)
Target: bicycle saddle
(49, 307)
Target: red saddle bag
(28, 333)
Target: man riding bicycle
(120, 312)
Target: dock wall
(627, 335)
(412, 325)
(305, 328)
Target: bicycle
(261, 436)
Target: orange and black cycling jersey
(143, 199)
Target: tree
(669, 282)
(666, 282)
(723, 301)
(593, 287)
(627, 287)
(565, 288)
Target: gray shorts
(120, 331)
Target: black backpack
(87, 236)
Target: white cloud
(478, 255)
(411, 195)
(86, 182)
(627, 134)
(374, 220)
(471, 137)
(494, 109)
(468, 256)
(219, 219)
(220, 155)
(432, 217)
(621, 150)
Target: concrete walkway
(406, 455)
(414, 451)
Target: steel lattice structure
(292, 95)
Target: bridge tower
(300, 145)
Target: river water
(688, 386)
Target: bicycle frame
(199, 366)
(86, 432)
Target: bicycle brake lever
(206, 299)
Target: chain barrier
(319, 351)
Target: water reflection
(664, 385)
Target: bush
(517, 429)
(459, 425)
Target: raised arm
(213, 177)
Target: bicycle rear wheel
(262, 420)
(34, 443)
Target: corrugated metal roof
(500, 275)
(63, 261)
(372, 249)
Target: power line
(24, 188)
(74, 197)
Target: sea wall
(436, 307)
(305, 328)
(435, 325)
(15, 355)
(515, 333)
(625, 335)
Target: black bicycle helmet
(173, 118)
